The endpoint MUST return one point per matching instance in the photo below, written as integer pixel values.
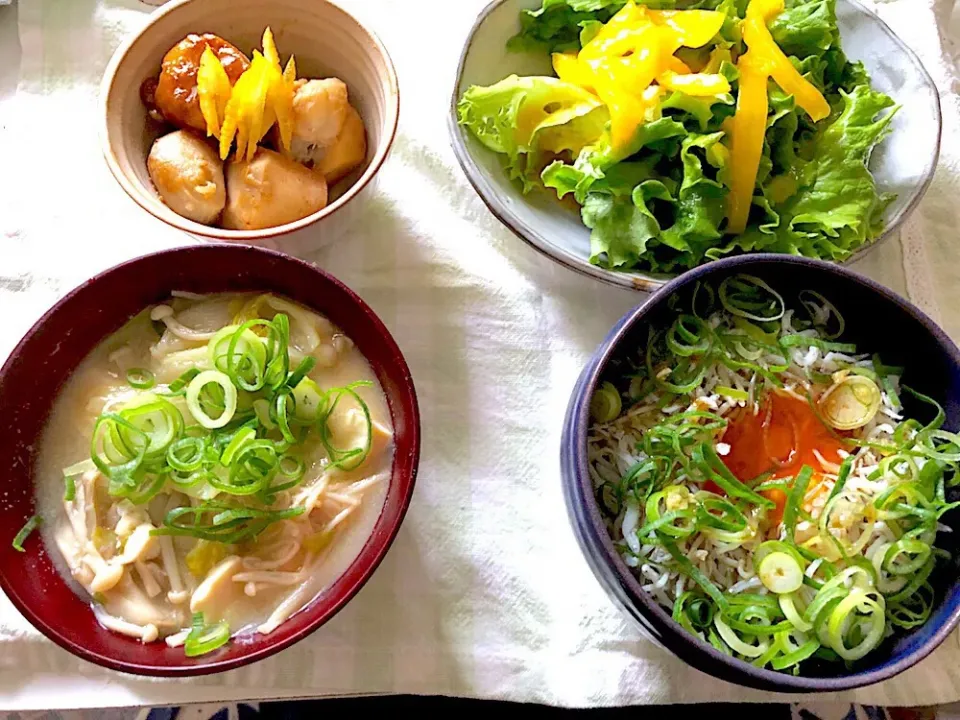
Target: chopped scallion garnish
(204, 638)
(28, 527)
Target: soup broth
(236, 527)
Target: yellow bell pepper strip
(763, 59)
(695, 84)
(270, 48)
(629, 17)
(746, 141)
(569, 69)
(627, 112)
(290, 71)
(262, 96)
(692, 28)
(213, 89)
(761, 43)
(675, 64)
(632, 51)
(280, 91)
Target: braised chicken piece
(176, 96)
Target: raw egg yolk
(780, 439)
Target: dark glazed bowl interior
(51, 350)
(878, 321)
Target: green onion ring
(214, 377)
(141, 378)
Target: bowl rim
(107, 88)
(598, 547)
(380, 538)
(639, 280)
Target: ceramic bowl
(902, 164)
(48, 354)
(326, 40)
(876, 319)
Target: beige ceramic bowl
(326, 40)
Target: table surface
(485, 593)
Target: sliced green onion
(940, 416)
(179, 386)
(751, 298)
(203, 638)
(707, 457)
(788, 604)
(186, 454)
(842, 476)
(913, 611)
(732, 393)
(309, 399)
(780, 573)
(158, 422)
(253, 465)
(239, 353)
(797, 656)
(858, 609)
(884, 372)
(143, 488)
(675, 523)
(28, 527)
(687, 337)
(261, 409)
(812, 305)
(716, 512)
(350, 458)
(605, 404)
(736, 644)
(305, 366)
(221, 523)
(70, 472)
(941, 445)
(221, 380)
(916, 581)
(794, 500)
(280, 412)
(239, 440)
(789, 341)
(695, 574)
(772, 546)
(851, 403)
(694, 612)
(140, 378)
(109, 451)
(291, 465)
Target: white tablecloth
(485, 592)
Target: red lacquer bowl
(40, 364)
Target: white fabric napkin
(485, 592)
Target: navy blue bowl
(878, 320)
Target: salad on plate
(685, 132)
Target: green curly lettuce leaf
(556, 25)
(833, 214)
(664, 226)
(806, 28)
(594, 161)
(836, 206)
(530, 119)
